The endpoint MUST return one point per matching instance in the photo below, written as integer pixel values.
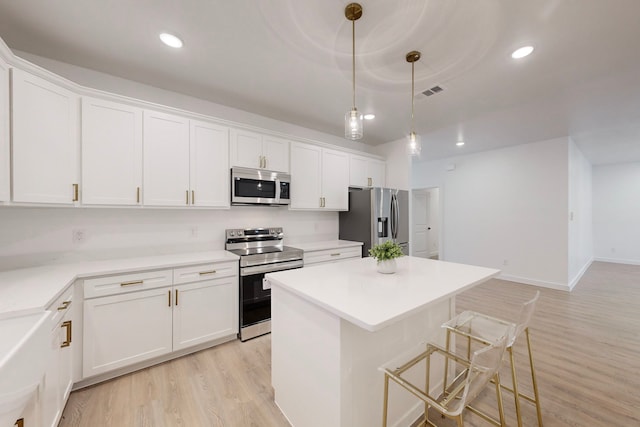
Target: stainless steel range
(261, 251)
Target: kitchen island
(334, 325)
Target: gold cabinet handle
(137, 194)
(193, 197)
(187, 197)
(338, 254)
(75, 193)
(176, 297)
(64, 305)
(67, 325)
(19, 422)
(369, 182)
(169, 292)
(202, 273)
(265, 161)
(135, 282)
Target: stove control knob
(240, 232)
(232, 233)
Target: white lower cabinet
(58, 379)
(204, 311)
(140, 316)
(326, 256)
(120, 330)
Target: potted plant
(385, 255)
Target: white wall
(44, 235)
(507, 205)
(616, 213)
(398, 168)
(580, 214)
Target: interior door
(420, 235)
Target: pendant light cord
(412, 93)
(353, 56)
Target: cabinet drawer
(124, 283)
(61, 305)
(201, 272)
(330, 255)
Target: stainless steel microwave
(259, 187)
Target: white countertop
(356, 292)
(31, 290)
(330, 244)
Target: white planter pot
(387, 267)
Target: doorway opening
(426, 230)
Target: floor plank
(586, 348)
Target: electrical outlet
(78, 236)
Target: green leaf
(385, 251)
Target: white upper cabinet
(366, 172)
(166, 160)
(209, 152)
(111, 153)
(45, 141)
(5, 159)
(319, 178)
(335, 180)
(254, 150)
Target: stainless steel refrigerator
(376, 215)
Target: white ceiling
(291, 60)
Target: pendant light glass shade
(414, 147)
(353, 123)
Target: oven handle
(270, 268)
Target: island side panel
(305, 360)
(363, 352)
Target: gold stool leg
(533, 380)
(459, 421)
(386, 400)
(503, 423)
(516, 394)
(446, 363)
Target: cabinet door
(5, 159)
(65, 341)
(245, 149)
(376, 172)
(335, 179)
(306, 176)
(358, 171)
(166, 160)
(209, 165)
(111, 153)
(205, 311)
(276, 153)
(50, 398)
(45, 140)
(124, 329)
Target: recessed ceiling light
(170, 40)
(369, 116)
(522, 52)
(460, 143)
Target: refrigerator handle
(395, 217)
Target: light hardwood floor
(586, 347)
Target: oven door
(255, 298)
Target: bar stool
(482, 368)
(483, 329)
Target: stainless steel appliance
(259, 187)
(376, 215)
(261, 251)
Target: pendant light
(414, 145)
(353, 123)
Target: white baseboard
(541, 283)
(618, 260)
(576, 279)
